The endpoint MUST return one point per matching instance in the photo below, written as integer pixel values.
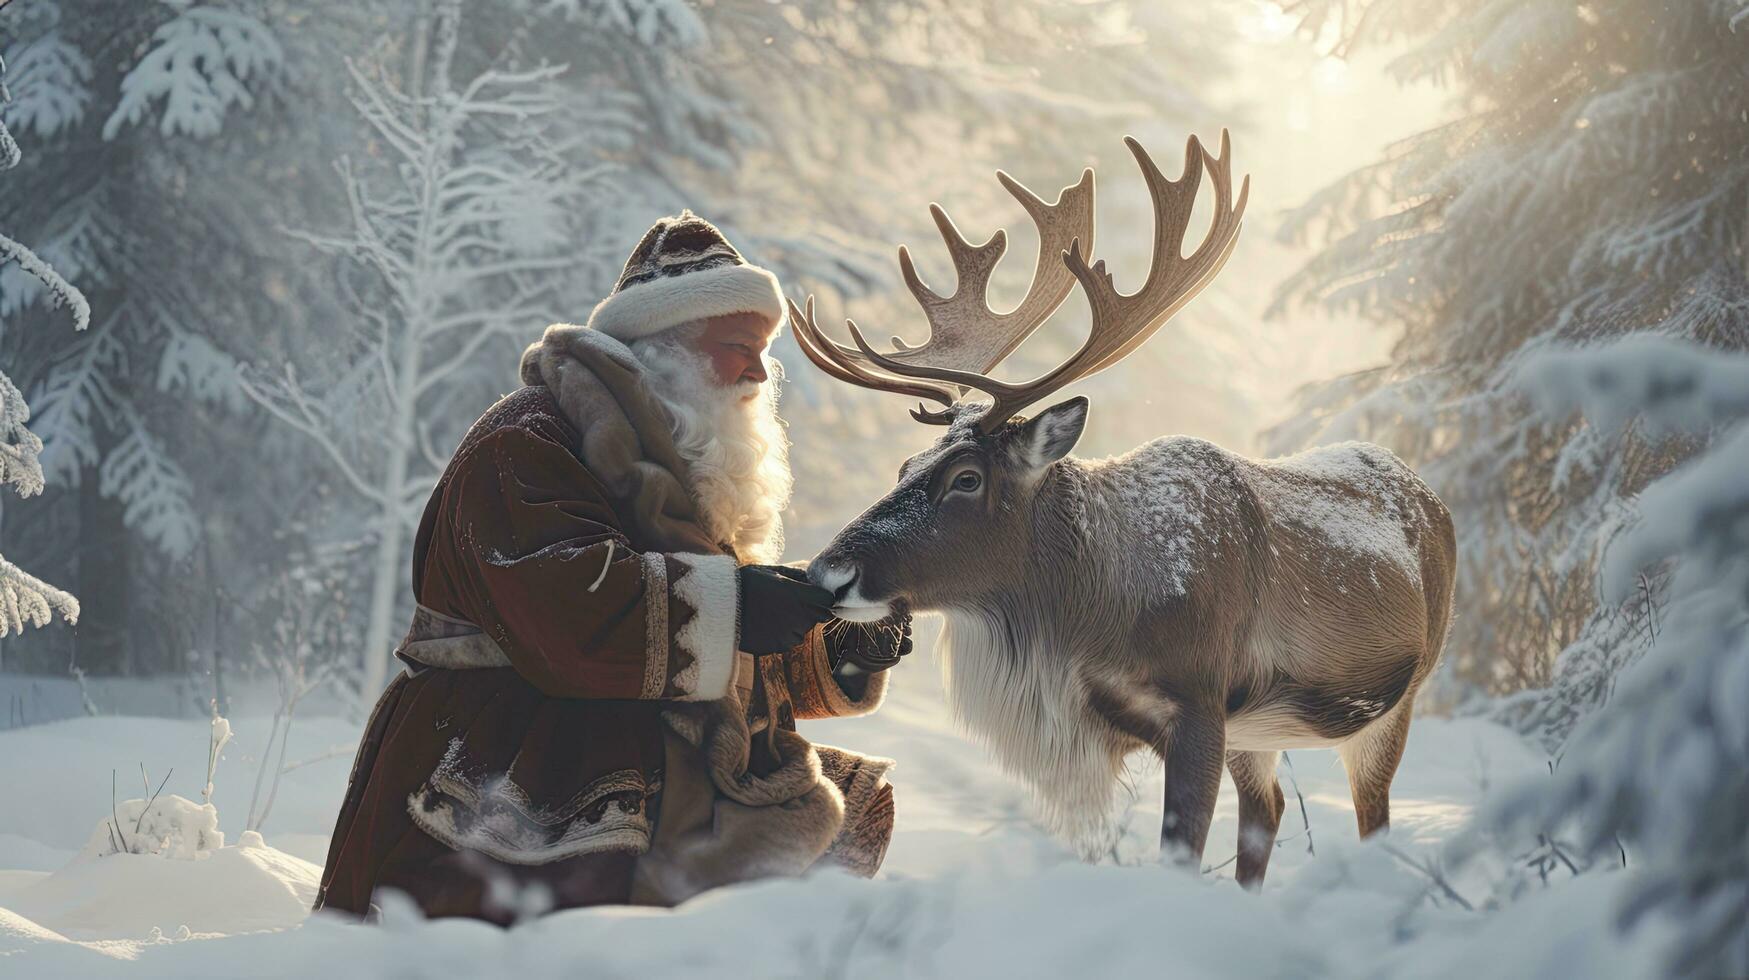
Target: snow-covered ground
(970, 887)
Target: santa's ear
(1049, 435)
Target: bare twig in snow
(261, 769)
(1216, 867)
(1651, 610)
(114, 817)
(84, 692)
(1432, 873)
(1304, 816)
(1235, 857)
(155, 793)
(1555, 849)
(221, 733)
(335, 752)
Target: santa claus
(605, 667)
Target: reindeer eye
(967, 482)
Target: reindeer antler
(1120, 323)
(964, 333)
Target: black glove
(777, 611)
(873, 646)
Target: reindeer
(1178, 598)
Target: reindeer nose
(841, 591)
(833, 574)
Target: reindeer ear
(1049, 435)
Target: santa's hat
(684, 270)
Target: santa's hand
(777, 611)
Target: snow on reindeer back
(1179, 500)
(1173, 499)
(1356, 498)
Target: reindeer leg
(1371, 758)
(1260, 808)
(1193, 750)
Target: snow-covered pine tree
(194, 65)
(455, 240)
(26, 600)
(116, 99)
(1593, 182)
(1658, 776)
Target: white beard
(735, 448)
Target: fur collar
(627, 438)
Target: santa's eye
(968, 482)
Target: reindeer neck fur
(1013, 660)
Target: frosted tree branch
(64, 293)
(455, 222)
(433, 458)
(26, 600)
(465, 353)
(301, 416)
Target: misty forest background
(314, 238)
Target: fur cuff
(817, 691)
(652, 307)
(840, 702)
(709, 586)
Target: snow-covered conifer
(202, 61)
(1658, 776)
(1592, 184)
(111, 206)
(26, 600)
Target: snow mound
(16, 932)
(246, 888)
(171, 827)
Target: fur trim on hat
(646, 308)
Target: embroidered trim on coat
(682, 665)
(466, 809)
(655, 626)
